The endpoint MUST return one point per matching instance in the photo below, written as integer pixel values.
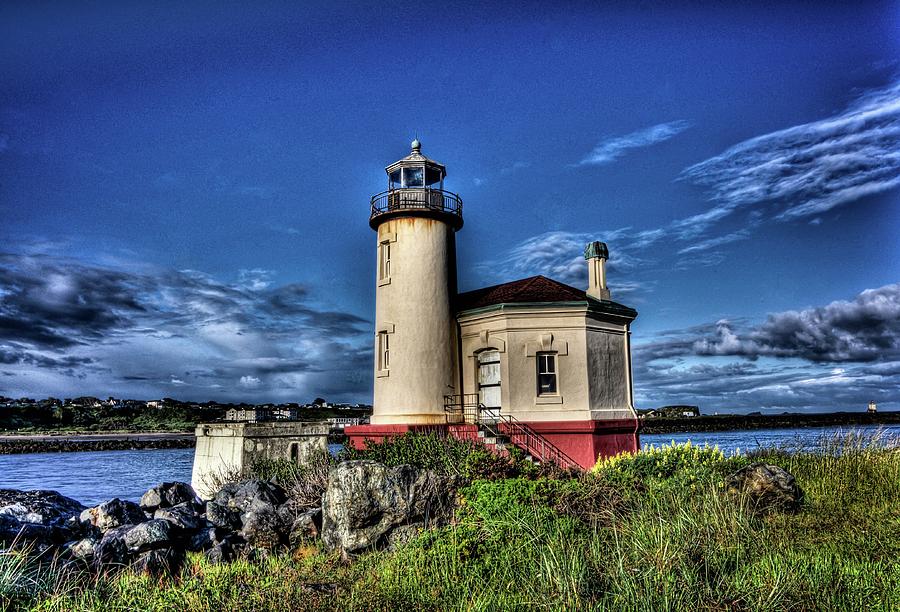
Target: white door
(489, 381)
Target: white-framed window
(384, 260)
(384, 351)
(546, 374)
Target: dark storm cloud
(841, 354)
(53, 304)
(184, 328)
(864, 329)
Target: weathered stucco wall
(592, 361)
(608, 376)
(413, 307)
(226, 447)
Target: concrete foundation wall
(227, 448)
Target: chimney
(596, 255)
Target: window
(546, 373)
(384, 260)
(384, 351)
(413, 177)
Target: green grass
(633, 535)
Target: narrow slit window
(546, 363)
(384, 351)
(384, 267)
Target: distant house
(251, 415)
(671, 412)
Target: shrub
(680, 465)
(443, 454)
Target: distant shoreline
(17, 444)
(732, 422)
(65, 442)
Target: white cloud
(611, 149)
(811, 168)
(250, 382)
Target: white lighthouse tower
(415, 330)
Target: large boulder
(257, 496)
(184, 516)
(25, 535)
(766, 488)
(158, 562)
(150, 535)
(365, 501)
(263, 529)
(221, 515)
(112, 548)
(113, 513)
(40, 519)
(47, 508)
(166, 495)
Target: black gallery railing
(424, 198)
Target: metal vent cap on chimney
(596, 249)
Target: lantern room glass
(416, 177)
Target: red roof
(534, 289)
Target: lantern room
(416, 187)
(416, 171)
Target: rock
(160, 562)
(366, 500)
(766, 488)
(150, 535)
(263, 529)
(221, 515)
(47, 508)
(306, 526)
(401, 535)
(183, 516)
(166, 495)
(205, 539)
(82, 549)
(112, 549)
(113, 513)
(224, 495)
(16, 534)
(257, 496)
(221, 553)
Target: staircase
(497, 431)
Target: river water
(93, 477)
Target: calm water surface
(93, 477)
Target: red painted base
(583, 441)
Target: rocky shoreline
(16, 445)
(364, 505)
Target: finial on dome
(416, 146)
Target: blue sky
(184, 190)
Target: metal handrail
(519, 433)
(416, 198)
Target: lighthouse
(531, 363)
(416, 222)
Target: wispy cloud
(611, 149)
(559, 255)
(811, 168)
(709, 243)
